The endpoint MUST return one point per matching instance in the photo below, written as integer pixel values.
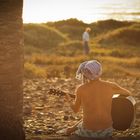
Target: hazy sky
(87, 10)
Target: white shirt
(85, 36)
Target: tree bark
(11, 70)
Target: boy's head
(90, 70)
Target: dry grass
(40, 65)
(32, 70)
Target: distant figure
(95, 98)
(85, 38)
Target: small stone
(72, 117)
(65, 118)
(38, 132)
(27, 110)
(39, 88)
(39, 108)
(50, 131)
(40, 114)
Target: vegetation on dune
(55, 48)
(72, 27)
(41, 36)
(70, 48)
(68, 22)
(105, 26)
(125, 35)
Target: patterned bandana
(90, 70)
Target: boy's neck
(91, 81)
(96, 80)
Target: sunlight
(87, 11)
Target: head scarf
(90, 70)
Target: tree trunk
(11, 70)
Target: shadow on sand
(74, 137)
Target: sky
(87, 10)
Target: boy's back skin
(95, 97)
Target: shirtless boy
(95, 98)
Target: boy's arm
(76, 105)
(120, 90)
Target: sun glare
(88, 11)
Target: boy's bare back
(96, 100)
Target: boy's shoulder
(108, 83)
(80, 88)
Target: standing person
(85, 38)
(95, 98)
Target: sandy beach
(45, 115)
